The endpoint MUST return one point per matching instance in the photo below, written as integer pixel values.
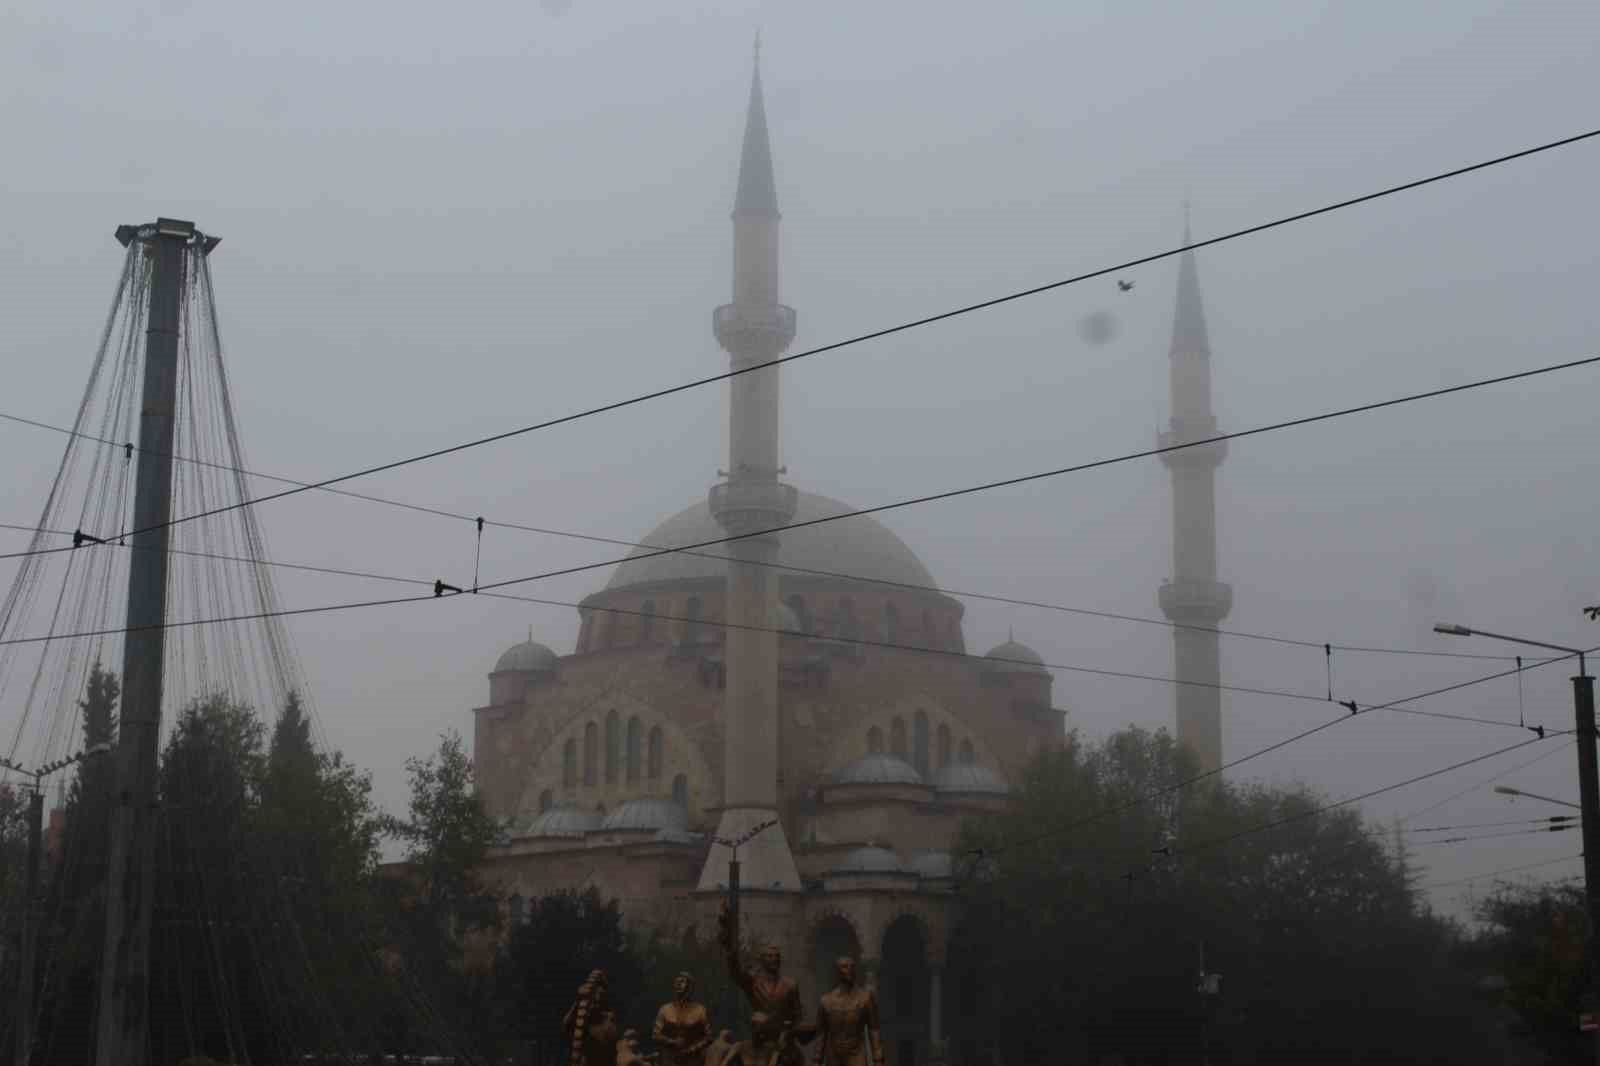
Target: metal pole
(30, 927)
(123, 1035)
(1589, 796)
(732, 1005)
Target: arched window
(635, 747)
(897, 738)
(612, 625)
(680, 790)
(647, 621)
(891, 624)
(944, 745)
(849, 624)
(874, 741)
(591, 755)
(930, 636)
(802, 616)
(569, 764)
(517, 910)
(547, 799)
(967, 756)
(919, 742)
(613, 746)
(691, 620)
(653, 758)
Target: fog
(441, 224)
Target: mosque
(815, 676)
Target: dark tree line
(1089, 911)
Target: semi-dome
(861, 546)
(970, 779)
(563, 820)
(870, 860)
(1014, 657)
(527, 656)
(932, 865)
(878, 770)
(650, 813)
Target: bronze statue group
(846, 1029)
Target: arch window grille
(635, 748)
(802, 615)
(547, 800)
(897, 738)
(919, 742)
(591, 755)
(647, 621)
(874, 741)
(613, 746)
(680, 790)
(943, 745)
(569, 763)
(656, 749)
(849, 624)
(691, 619)
(968, 756)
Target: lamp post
(1588, 778)
(1507, 790)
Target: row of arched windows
(627, 753)
(918, 754)
(680, 795)
(605, 629)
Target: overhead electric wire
(903, 327)
(832, 639)
(1562, 828)
(787, 567)
(1548, 819)
(1480, 784)
(1506, 870)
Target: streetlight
(1588, 777)
(1507, 790)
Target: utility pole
(32, 911)
(122, 1038)
(1588, 785)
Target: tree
(1534, 938)
(1092, 898)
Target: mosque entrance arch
(832, 937)
(903, 990)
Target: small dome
(1016, 658)
(563, 820)
(870, 860)
(528, 656)
(932, 865)
(649, 813)
(878, 770)
(970, 779)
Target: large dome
(861, 547)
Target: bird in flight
(1125, 286)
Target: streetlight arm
(1463, 631)
(1507, 790)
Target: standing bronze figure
(591, 1024)
(770, 994)
(683, 1028)
(847, 1022)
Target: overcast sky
(442, 223)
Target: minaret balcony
(1193, 601)
(1183, 430)
(748, 505)
(753, 332)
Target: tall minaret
(1193, 597)
(754, 328)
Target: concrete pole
(30, 927)
(1589, 799)
(123, 1034)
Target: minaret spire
(755, 328)
(1193, 597)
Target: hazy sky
(439, 224)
